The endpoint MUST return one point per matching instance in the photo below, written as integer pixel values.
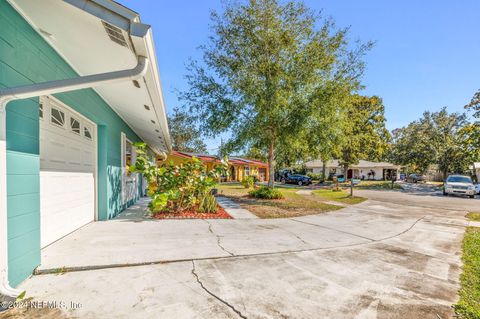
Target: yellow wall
(254, 170)
(239, 169)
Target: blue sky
(426, 56)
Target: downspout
(33, 90)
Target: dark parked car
(297, 179)
(414, 178)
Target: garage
(67, 170)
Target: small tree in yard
(364, 133)
(267, 71)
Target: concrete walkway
(373, 260)
(234, 209)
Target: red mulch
(192, 214)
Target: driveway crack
(218, 239)
(194, 273)
(329, 228)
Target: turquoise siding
(26, 58)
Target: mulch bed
(192, 214)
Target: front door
(349, 173)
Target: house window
(86, 133)
(128, 153)
(247, 170)
(75, 125)
(40, 111)
(58, 117)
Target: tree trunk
(345, 171)
(271, 165)
(324, 170)
(445, 174)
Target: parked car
(340, 178)
(477, 188)
(282, 174)
(459, 184)
(297, 179)
(415, 178)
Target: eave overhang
(77, 30)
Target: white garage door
(67, 170)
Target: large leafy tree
(470, 133)
(364, 135)
(184, 134)
(474, 105)
(434, 139)
(268, 69)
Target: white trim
(142, 43)
(123, 151)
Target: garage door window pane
(86, 133)
(75, 125)
(58, 117)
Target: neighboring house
(238, 167)
(68, 121)
(363, 170)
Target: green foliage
(468, 306)
(269, 71)
(266, 193)
(174, 188)
(248, 181)
(473, 216)
(208, 204)
(315, 176)
(474, 105)
(21, 296)
(364, 135)
(434, 139)
(469, 137)
(184, 134)
(256, 153)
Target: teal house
(79, 85)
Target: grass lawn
(341, 196)
(473, 216)
(293, 205)
(468, 306)
(374, 185)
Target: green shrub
(208, 204)
(174, 188)
(266, 193)
(315, 176)
(248, 181)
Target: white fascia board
(143, 44)
(108, 11)
(142, 40)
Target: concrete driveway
(396, 255)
